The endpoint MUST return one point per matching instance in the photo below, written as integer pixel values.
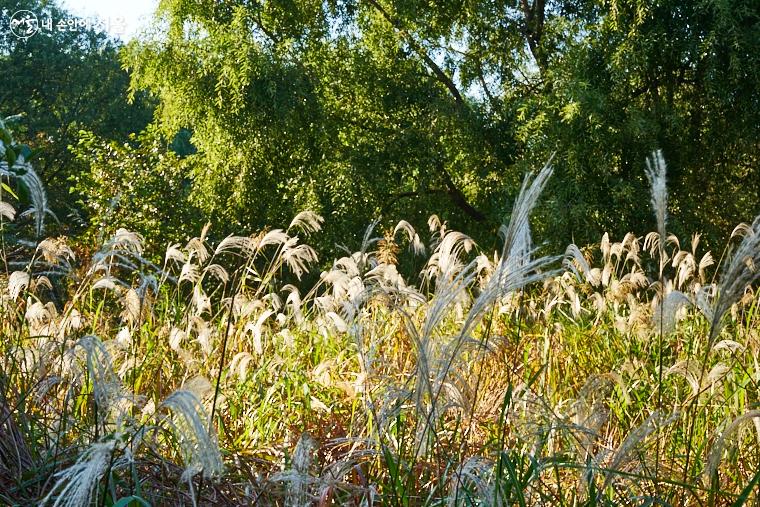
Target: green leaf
(131, 501)
(744, 496)
(8, 189)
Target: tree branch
(451, 190)
(456, 195)
(394, 198)
(534, 28)
(434, 68)
(482, 79)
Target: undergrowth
(621, 373)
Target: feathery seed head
(713, 458)
(656, 174)
(106, 386)
(17, 282)
(517, 238)
(7, 211)
(741, 271)
(199, 448)
(414, 239)
(23, 171)
(76, 484)
(307, 221)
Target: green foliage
(682, 76)
(19, 181)
(351, 129)
(62, 82)
(360, 109)
(139, 185)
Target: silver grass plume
(473, 483)
(448, 291)
(123, 250)
(666, 312)
(307, 221)
(196, 247)
(75, 485)
(54, 257)
(694, 375)
(298, 257)
(175, 254)
(362, 257)
(445, 262)
(654, 423)
(7, 211)
(414, 239)
(353, 452)
(514, 271)
(17, 282)
(656, 174)
(517, 239)
(507, 279)
(298, 479)
(24, 171)
(106, 386)
(689, 370)
(199, 448)
(574, 260)
(713, 459)
(741, 271)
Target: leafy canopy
(401, 108)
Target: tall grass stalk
(657, 175)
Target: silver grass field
(236, 372)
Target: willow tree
(401, 108)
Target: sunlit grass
(216, 376)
